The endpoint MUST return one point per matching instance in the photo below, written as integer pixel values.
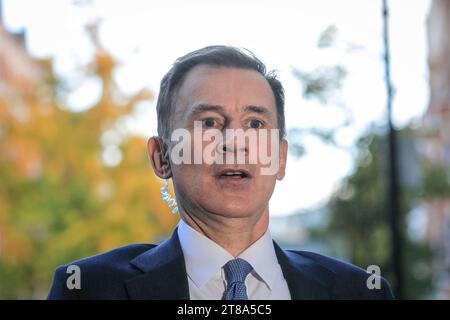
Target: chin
(235, 209)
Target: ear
(159, 157)
(282, 158)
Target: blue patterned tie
(236, 271)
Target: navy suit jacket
(145, 271)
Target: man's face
(221, 99)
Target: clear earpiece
(167, 197)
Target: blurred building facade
(19, 72)
(24, 80)
(436, 126)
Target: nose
(233, 143)
(232, 147)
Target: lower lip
(233, 181)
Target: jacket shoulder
(102, 274)
(115, 257)
(351, 281)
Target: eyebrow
(257, 109)
(200, 108)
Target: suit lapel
(164, 273)
(306, 278)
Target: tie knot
(236, 270)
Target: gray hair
(215, 56)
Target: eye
(255, 124)
(209, 122)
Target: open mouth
(234, 174)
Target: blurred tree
(321, 84)
(358, 214)
(71, 184)
(357, 211)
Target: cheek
(267, 148)
(189, 179)
(264, 185)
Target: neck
(234, 234)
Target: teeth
(233, 173)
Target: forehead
(232, 88)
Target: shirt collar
(204, 258)
(261, 255)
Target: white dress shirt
(205, 260)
